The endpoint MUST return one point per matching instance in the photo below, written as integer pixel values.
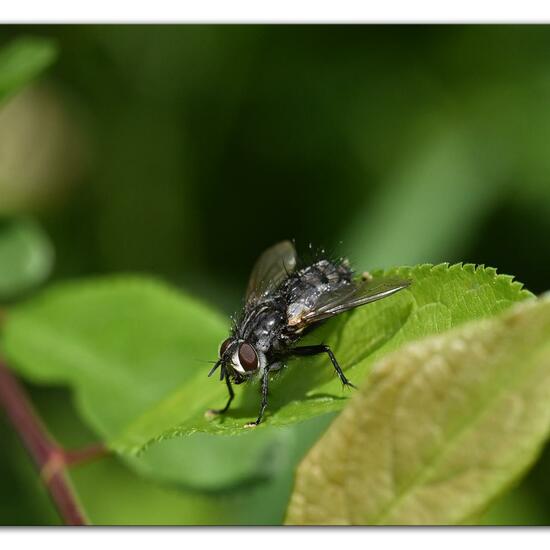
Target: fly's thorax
(263, 325)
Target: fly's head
(239, 360)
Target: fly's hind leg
(322, 348)
(265, 388)
(214, 412)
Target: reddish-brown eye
(248, 357)
(224, 346)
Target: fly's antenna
(213, 370)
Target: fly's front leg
(215, 412)
(265, 387)
(316, 350)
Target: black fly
(282, 304)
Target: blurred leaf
(527, 502)
(520, 506)
(132, 350)
(443, 427)
(215, 463)
(23, 60)
(43, 150)
(428, 209)
(114, 495)
(26, 256)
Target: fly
(281, 305)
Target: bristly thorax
(272, 323)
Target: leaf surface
(26, 257)
(442, 427)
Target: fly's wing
(352, 296)
(271, 269)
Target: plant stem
(50, 459)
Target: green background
(183, 151)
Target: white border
(350, 538)
(277, 11)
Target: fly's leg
(316, 350)
(215, 412)
(265, 387)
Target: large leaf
(443, 426)
(114, 495)
(26, 256)
(132, 349)
(23, 60)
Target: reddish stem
(85, 454)
(50, 459)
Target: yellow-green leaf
(443, 426)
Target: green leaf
(23, 60)
(113, 495)
(443, 426)
(521, 506)
(132, 348)
(26, 257)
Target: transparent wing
(352, 296)
(271, 269)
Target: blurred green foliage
(26, 254)
(22, 61)
(210, 143)
(205, 144)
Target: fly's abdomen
(305, 287)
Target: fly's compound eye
(248, 358)
(224, 346)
